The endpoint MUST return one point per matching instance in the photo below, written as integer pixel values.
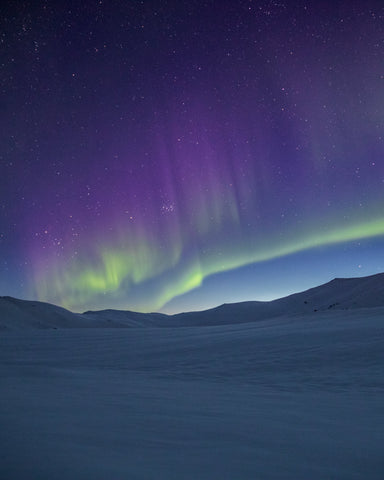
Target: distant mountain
(18, 314)
(338, 294)
(24, 314)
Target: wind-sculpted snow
(295, 397)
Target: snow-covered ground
(295, 397)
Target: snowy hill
(18, 314)
(24, 314)
(282, 390)
(277, 399)
(338, 294)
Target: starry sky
(176, 155)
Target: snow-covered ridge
(260, 390)
(338, 294)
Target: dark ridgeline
(338, 294)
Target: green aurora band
(120, 272)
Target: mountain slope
(338, 294)
(18, 314)
(24, 314)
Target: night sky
(175, 155)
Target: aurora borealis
(174, 155)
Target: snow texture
(270, 395)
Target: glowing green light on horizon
(118, 270)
